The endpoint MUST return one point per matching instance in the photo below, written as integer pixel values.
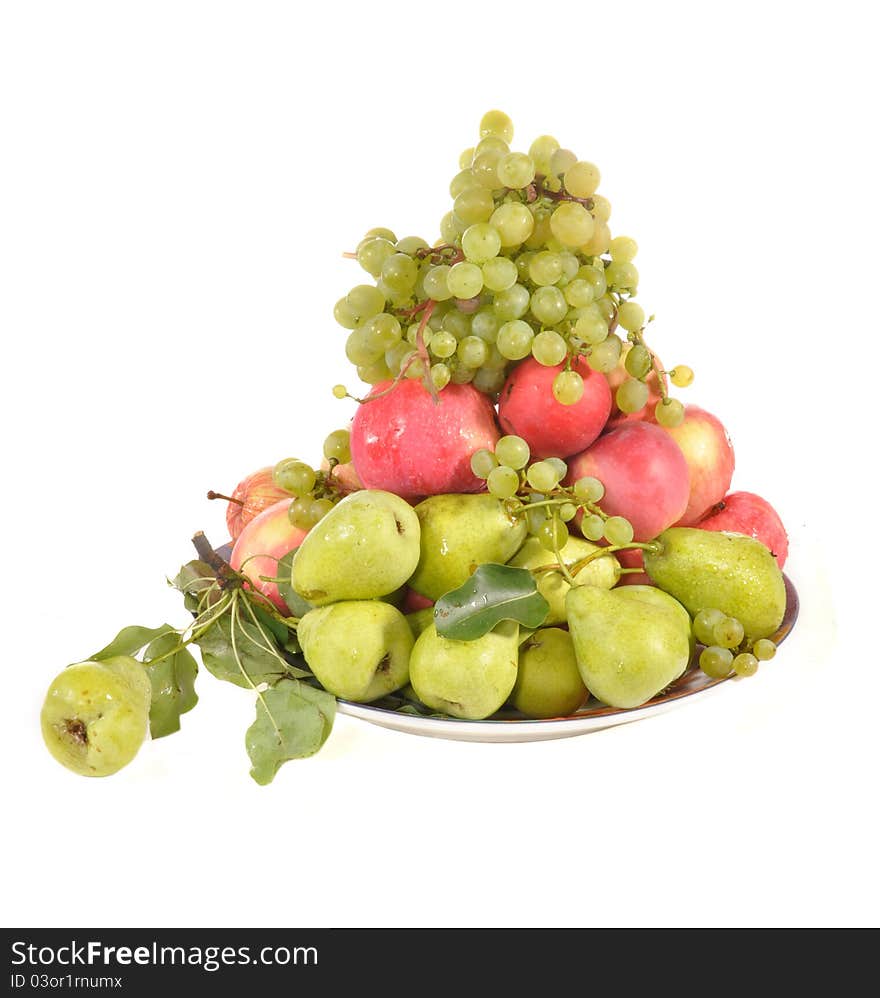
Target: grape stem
(536, 189)
(435, 253)
(632, 546)
(227, 577)
(219, 495)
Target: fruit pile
(519, 517)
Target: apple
(262, 544)
(709, 454)
(747, 513)
(249, 498)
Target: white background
(179, 181)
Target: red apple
(632, 559)
(709, 454)
(251, 496)
(644, 473)
(617, 376)
(747, 513)
(406, 443)
(345, 477)
(413, 601)
(262, 544)
(527, 408)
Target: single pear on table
(458, 533)
(366, 547)
(358, 649)
(706, 569)
(627, 650)
(603, 571)
(548, 681)
(466, 679)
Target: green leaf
(173, 682)
(293, 722)
(295, 603)
(278, 630)
(192, 580)
(131, 639)
(492, 594)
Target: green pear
(708, 569)
(651, 594)
(366, 547)
(467, 679)
(603, 572)
(420, 620)
(359, 649)
(458, 533)
(627, 650)
(548, 681)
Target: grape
(337, 446)
(372, 253)
(549, 348)
(543, 476)
(319, 509)
(512, 303)
(638, 361)
(548, 305)
(716, 662)
(436, 283)
(567, 511)
(605, 355)
(440, 375)
(545, 268)
(704, 625)
(462, 375)
(466, 158)
(496, 123)
(589, 489)
(499, 274)
(412, 334)
(294, 476)
(763, 649)
(480, 242)
(552, 534)
(572, 224)
(623, 277)
(485, 169)
(400, 272)
(595, 278)
(503, 482)
(631, 316)
(631, 395)
(599, 241)
(365, 300)
(491, 143)
(489, 380)
(410, 245)
(618, 530)
(623, 249)
(513, 222)
(745, 664)
(482, 462)
(412, 365)
(474, 205)
(300, 513)
(515, 170)
(512, 452)
(394, 357)
(570, 266)
(465, 280)
(380, 233)
(450, 227)
(358, 349)
(443, 344)
(515, 339)
(462, 182)
(472, 351)
(579, 293)
(540, 152)
(375, 371)
(535, 519)
(681, 376)
(581, 179)
(381, 332)
(669, 412)
(345, 315)
(541, 234)
(568, 387)
(457, 323)
(560, 466)
(340, 391)
(485, 323)
(728, 632)
(601, 208)
(592, 329)
(592, 527)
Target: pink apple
(632, 559)
(251, 496)
(262, 544)
(413, 601)
(527, 408)
(709, 454)
(644, 473)
(404, 442)
(747, 513)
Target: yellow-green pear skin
(603, 572)
(420, 620)
(458, 533)
(366, 547)
(358, 649)
(709, 569)
(651, 594)
(627, 650)
(465, 679)
(548, 681)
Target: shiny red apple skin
(751, 514)
(262, 544)
(405, 443)
(254, 494)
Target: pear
(548, 681)
(358, 649)
(420, 620)
(458, 533)
(366, 547)
(627, 650)
(467, 679)
(603, 572)
(707, 569)
(651, 594)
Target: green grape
(512, 303)
(589, 489)
(380, 233)
(465, 280)
(545, 268)
(485, 169)
(548, 305)
(567, 511)
(461, 182)
(358, 349)
(618, 530)
(366, 300)
(436, 283)
(553, 534)
(631, 316)
(681, 376)
(457, 323)
(570, 266)
(716, 662)
(764, 649)
(499, 274)
(466, 158)
(515, 170)
(443, 344)
(638, 360)
(669, 412)
(410, 245)
(592, 527)
(489, 380)
(561, 160)
(595, 278)
(599, 241)
(549, 348)
(480, 242)
(491, 144)
(319, 509)
(631, 395)
(571, 223)
(299, 513)
(483, 461)
(704, 625)
(515, 339)
(485, 323)
(340, 391)
(503, 482)
(345, 315)
(412, 334)
(381, 332)
(568, 387)
(623, 249)
(541, 236)
(513, 222)
(462, 375)
(606, 307)
(745, 664)
(560, 466)
(728, 632)
(512, 452)
(294, 476)
(523, 261)
(541, 151)
(450, 228)
(579, 293)
(412, 366)
(591, 328)
(474, 205)
(373, 252)
(374, 372)
(581, 179)
(543, 475)
(400, 272)
(623, 277)
(535, 519)
(601, 208)
(394, 356)
(337, 446)
(605, 355)
(440, 375)
(472, 351)
(279, 472)
(496, 123)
